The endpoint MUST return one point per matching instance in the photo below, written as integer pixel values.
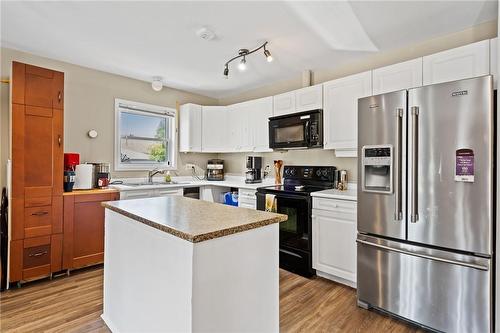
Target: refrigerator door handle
(398, 214)
(425, 256)
(414, 165)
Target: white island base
(157, 282)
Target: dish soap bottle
(168, 178)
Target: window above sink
(145, 136)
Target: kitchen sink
(154, 183)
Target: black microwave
(296, 130)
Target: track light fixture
(243, 53)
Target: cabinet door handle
(59, 96)
(38, 254)
(39, 213)
(59, 140)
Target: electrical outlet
(189, 166)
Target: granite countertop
(191, 219)
(350, 194)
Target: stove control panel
(323, 173)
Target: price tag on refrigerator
(464, 165)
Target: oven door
(295, 237)
(295, 232)
(289, 132)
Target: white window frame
(143, 108)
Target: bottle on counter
(168, 178)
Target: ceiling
(146, 39)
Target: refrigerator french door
(425, 204)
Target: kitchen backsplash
(234, 163)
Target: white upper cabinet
(494, 59)
(309, 98)
(340, 112)
(240, 134)
(260, 112)
(404, 75)
(459, 63)
(190, 128)
(304, 99)
(214, 129)
(284, 103)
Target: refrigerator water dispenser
(377, 169)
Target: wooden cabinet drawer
(37, 201)
(341, 206)
(36, 256)
(37, 221)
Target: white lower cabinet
(334, 239)
(151, 193)
(247, 198)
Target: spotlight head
(226, 72)
(243, 64)
(268, 55)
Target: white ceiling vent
(205, 34)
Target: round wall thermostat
(92, 134)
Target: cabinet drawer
(168, 191)
(246, 193)
(342, 206)
(37, 201)
(37, 221)
(36, 256)
(135, 194)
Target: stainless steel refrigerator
(425, 204)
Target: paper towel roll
(83, 177)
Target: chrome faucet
(153, 172)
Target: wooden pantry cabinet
(83, 241)
(37, 171)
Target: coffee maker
(215, 169)
(254, 166)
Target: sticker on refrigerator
(464, 166)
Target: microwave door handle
(308, 139)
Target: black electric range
(293, 198)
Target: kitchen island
(175, 264)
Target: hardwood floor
(74, 304)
